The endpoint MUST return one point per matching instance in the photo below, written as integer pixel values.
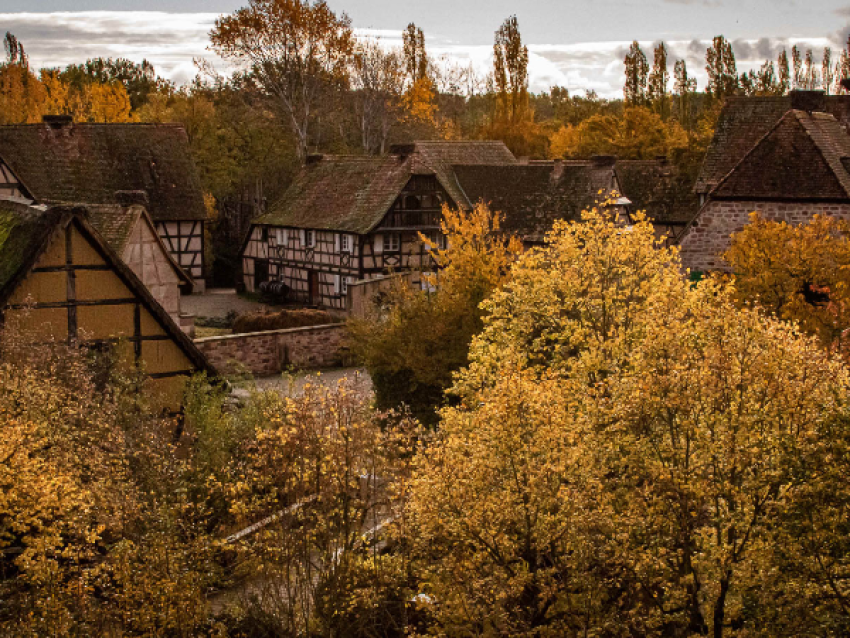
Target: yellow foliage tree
(412, 350)
(798, 273)
(639, 134)
(626, 455)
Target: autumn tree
(798, 273)
(721, 68)
(637, 71)
(377, 80)
(510, 70)
(684, 87)
(658, 79)
(412, 350)
(797, 65)
(827, 70)
(783, 82)
(415, 54)
(21, 93)
(297, 50)
(625, 454)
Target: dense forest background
(308, 85)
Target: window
(392, 242)
(345, 243)
(341, 284)
(264, 234)
(436, 241)
(308, 238)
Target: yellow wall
(97, 322)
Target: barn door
(313, 287)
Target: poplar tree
(827, 70)
(684, 86)
(415, 56)
(510, 71)
(637, 71)
(721, 68)
(784, 74)
(15, 53)
(658, 79)
(797, 61)
(811, 80)
(766, 83)
(842, 69)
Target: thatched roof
(94, 163)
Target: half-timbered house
(61, 281)
(130, 232)
(59, 161)
(347, 218)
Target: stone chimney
(809, 101)
(557, 170)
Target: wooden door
(313, 287)
(261, 273)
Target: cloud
(171, 41)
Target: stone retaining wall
(271, 352)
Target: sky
(576, 44)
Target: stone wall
(709, 235)
(271, 352)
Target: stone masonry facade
(709, 235)
(271, 352)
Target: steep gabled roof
(25, 233)
(531, 197)
(744, 121)
(115, 223)
(344, 193)
(91, 162)
(659, 189)
(799, 158)
(353, 193)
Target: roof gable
(92, 162)
(798, 158)
(743, 121)
(25, 234)
(116, 222)
(354, 193)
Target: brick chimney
(809, 101)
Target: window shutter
(337, 242)
(378, 244)
(303, 237)
(285, 233)
(337, 284)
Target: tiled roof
(659, 189)
(91, 162)
(800, 157)
(350, 194)
(353, 193)
(743, 122)
(531, 197)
